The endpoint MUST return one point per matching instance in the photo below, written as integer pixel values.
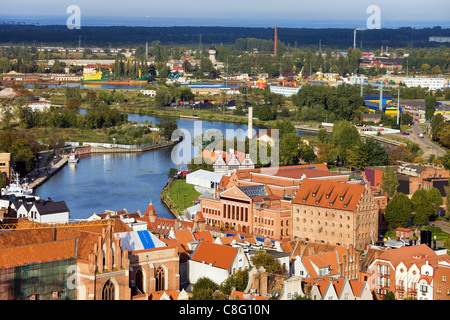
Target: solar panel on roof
(254, 191)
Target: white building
(150, 93)
(204, 178)
(430, 83)
(45, 211)
(284, 90)
(41, 105)
(226, 163)
(216, 262)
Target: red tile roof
(37, 253)
(204, 236)
(329, 194)
(412, 254)
(217, 255)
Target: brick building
(6, 165)
(411, 177)
(342, 213)
(442, 281)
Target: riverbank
(45, 173)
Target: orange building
(342, 213)
(6, 165)
(442, 281)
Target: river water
(126, 181)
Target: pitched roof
(203, 236)
(329, 194)
(37, 253)
(50, 207)
(246, 296)
(411, 254)
(184, 236)
(217, 255)
(139, 240)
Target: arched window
(108, 291)
(139, 281)
(160, 279)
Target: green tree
(268, 261)
(389, 182)
(322, 135)
(398, 210)
(344, 137)
(167, 125)
(204, 289)
(289, 148)
(238, 280)
(2, 181)
(421, 202)
(367, 152)
(389, 296)
(73, 103)
(284, 127)
(435, 198)
(430, 103)
(172, 172)
(306, 152)
(164, 96)
(265, 113)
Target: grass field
(182, 194)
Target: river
(124, 181)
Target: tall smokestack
(275, 43)
(250, 122)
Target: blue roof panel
(146, 239)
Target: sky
(326, 12)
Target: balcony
(400, 288)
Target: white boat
(16, 188)
(73, 158)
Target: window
(160, 279)
(444, 278)
(108, 291)
(139, 281)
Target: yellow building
(6, 164)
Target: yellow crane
(37, 225)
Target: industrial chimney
(275, 42)
(250, 122)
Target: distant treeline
(131, 36)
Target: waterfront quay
(45, 169)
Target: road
(424, 143)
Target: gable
(235, 192)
